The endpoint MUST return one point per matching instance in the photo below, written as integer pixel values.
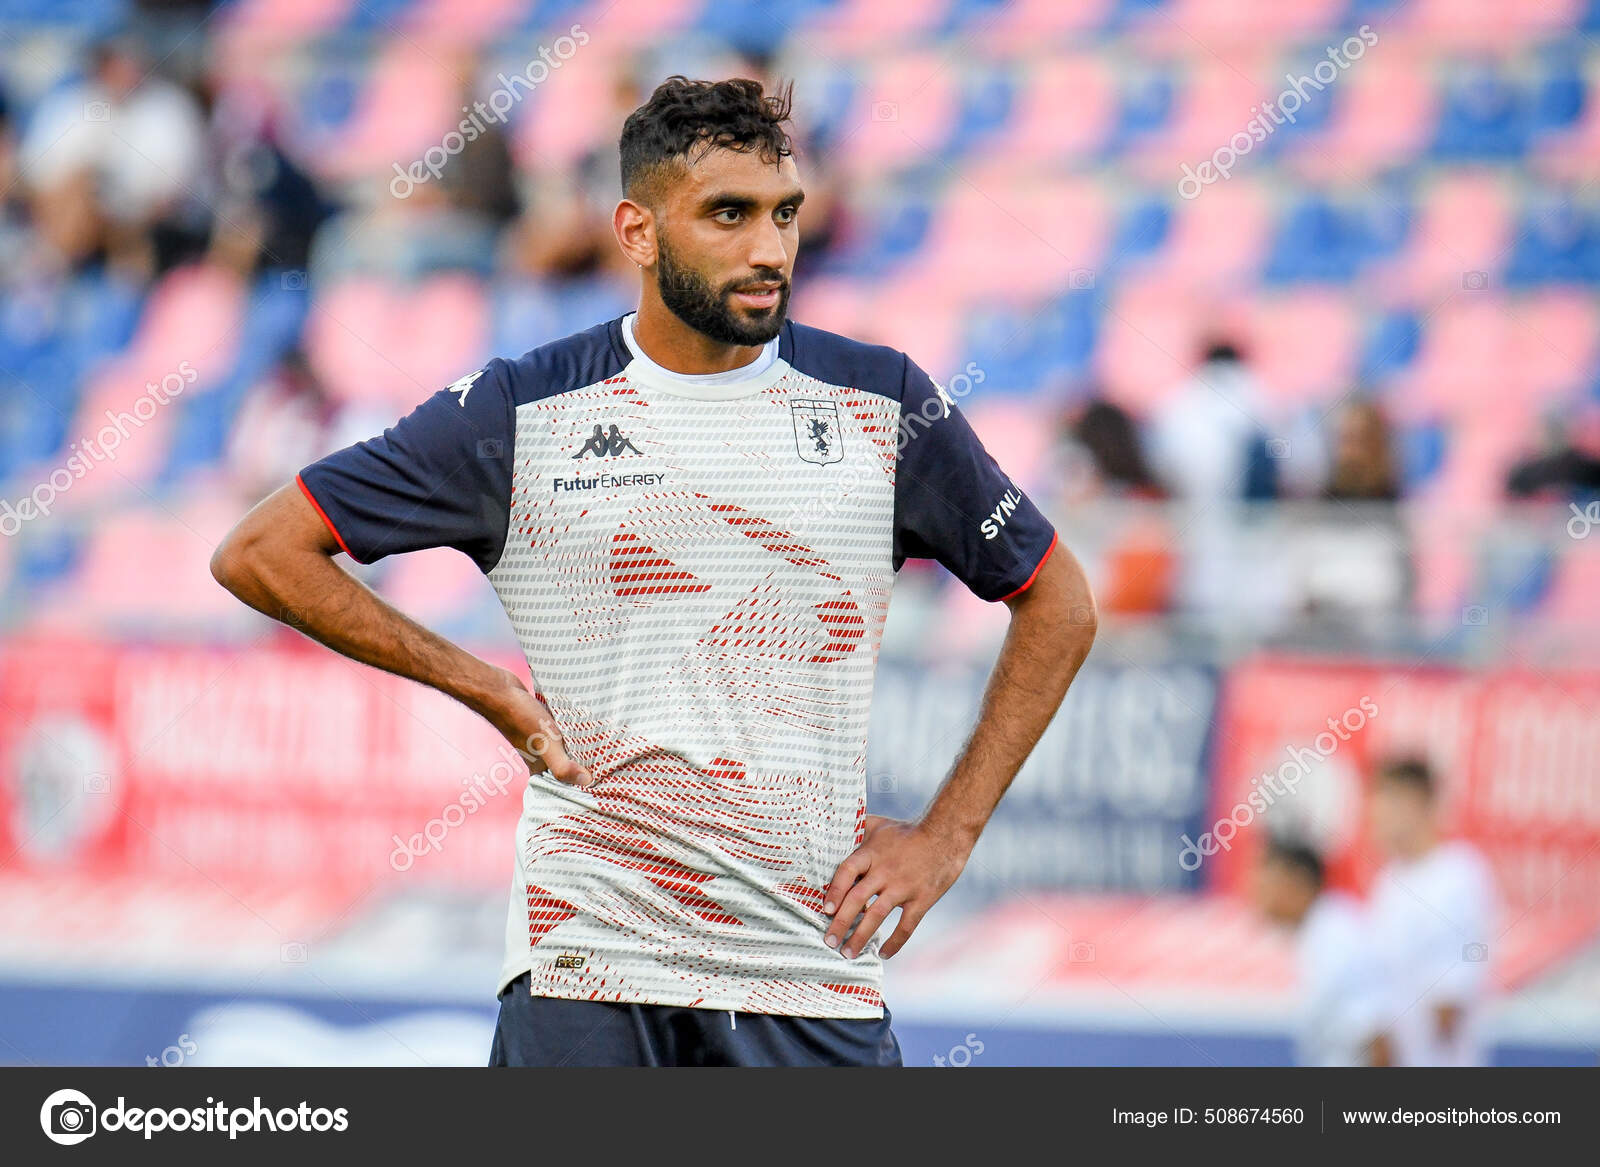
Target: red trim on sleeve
(1028, 583)
(316, 506)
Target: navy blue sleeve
(439, 477)
(954, 504)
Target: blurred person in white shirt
(111, 155)
(1337, 974)
(1434, 911)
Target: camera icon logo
(1080, 279)
(1475, 615)
(1082, 952)
(68, 1117)
(491, 448)
(293, 281)
(881, 784)
(1474, 281)
(885, 111)
(1474, 953)
(97, 111)
(1278, 448)
(292, 953)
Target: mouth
(760, 296)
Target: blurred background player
(1337, 988)
(1434, 919)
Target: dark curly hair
(683, 119)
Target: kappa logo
(603, 444)
(464, 386)
(816, 431)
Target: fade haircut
(684, 119)
(1297, 856)
(1413, 773)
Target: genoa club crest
(816, 431)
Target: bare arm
(911, 865)
(279, 560)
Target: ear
(635, 228)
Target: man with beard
(697, 881)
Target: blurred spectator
(114, 158)
(286, 422)
(1363, 467)
(1110, 457)
(1209, 440)
(269, 208)
(1209, 446)
(1562, 467)
(1099, 456)
(1336, 973)
(1434, 921)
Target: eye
(729, 215)
(788, 214)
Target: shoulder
(839, 360)
(574, 362)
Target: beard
(691, 298)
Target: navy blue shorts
(550, 1031)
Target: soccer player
(1336, 970)
(693, 515)
(1434, 909)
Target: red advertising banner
(285, 765)
(1516, 755)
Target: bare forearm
(303, 587)
(1052, 628)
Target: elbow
(231, 562)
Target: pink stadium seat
(559, 126)
(1303, 345)
(145, 572)
(460, 22)
(1489, 25)
(410, 102)
(194, 315)
(1012, 430)
(1213, 104)
(280, 21)
(1384, 113)
(1220, 237)
(927, 328)
(1577, 583)
(1553, 345)
(1149, 337)
(902, 116)
(1442, 561)
(1066, 110)
(370, 342)
(1466, 358)
(623, 26)
(1213, 22)
(1026, 22)
(855, 27)
(1464, 226)
(435, 585)
(1484, 444)
(1016, 238)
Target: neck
(1419, 844)
(673, 345)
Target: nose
(766, 248)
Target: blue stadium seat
(1482, 118)
(1315, 244)
(1391, 345)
